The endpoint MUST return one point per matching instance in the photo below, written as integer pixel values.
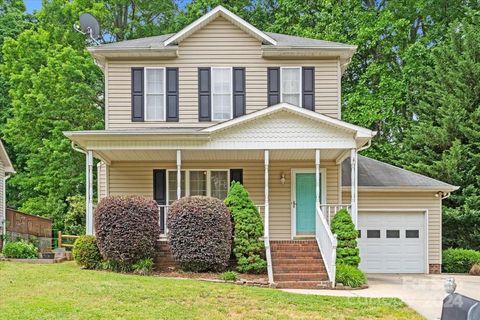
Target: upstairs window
(222, 98)
(155, 94)
(291, 85)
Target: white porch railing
(327, 242)
(162, 221)
(330, 210)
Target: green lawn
(63, 291)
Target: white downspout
(266, 232)
(4, 210)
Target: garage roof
(375, 174)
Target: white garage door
(392, 242)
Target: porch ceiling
(215, 155)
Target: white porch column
(266, 231)
(89, 192)
(179, 174)
(317, 178)
(354, 185)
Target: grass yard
(63, 291)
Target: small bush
(20, 250)
(85, 252)
(459, 260)
(127, 230)
(349, 276)
(200, 233)
(248, 248)
(347, 250)
(475, 269)
(143, 267)
(229, 276)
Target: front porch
(288, 158)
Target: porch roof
(280, 127)
(380, 176)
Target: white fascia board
(403, 189)
(205, 19)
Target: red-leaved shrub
(200, 233)
(126, 228)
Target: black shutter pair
(138, 93)
(308, 87)
(205, 89)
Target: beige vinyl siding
(136, 178)
(421, 201)
(102, 169)
(218, 44)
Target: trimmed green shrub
(127, 230)
(85, 252)
(248, 228)
(349, 276)
(347, 250)
(143, 267)
(200, 233)
(229, 276)
(20, 250)
(459, 260)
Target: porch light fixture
(282, 178)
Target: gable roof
(273, 44)
(359, 131)
(374, 174)
(7, 164)
(212, 15)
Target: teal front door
(305, 203)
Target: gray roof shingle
(283, 40)
(374, 173)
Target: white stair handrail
(327, 243)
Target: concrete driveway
(423, 293)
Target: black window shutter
(273, 84)
(236, 175)
(308, 88)
(137, 94)
(160, 186)
(172, 94)
(204, 100)
(238, 92)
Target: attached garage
(392, 242)
(399, 217)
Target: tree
(443, 140)
(247, 230)
(347, 249)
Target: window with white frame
(222, 98)
(155, 94)
(212, 183)
(291, 85)
(172, 185)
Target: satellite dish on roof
(89, 26)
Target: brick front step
(302, 284)
(289, 268)
(296, 255)
(306, 276)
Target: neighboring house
(6, 169)
(187, 113)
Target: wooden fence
(70, 240)
(27, 226)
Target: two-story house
(220, 100)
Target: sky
(33, 5)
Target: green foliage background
(414, 79)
